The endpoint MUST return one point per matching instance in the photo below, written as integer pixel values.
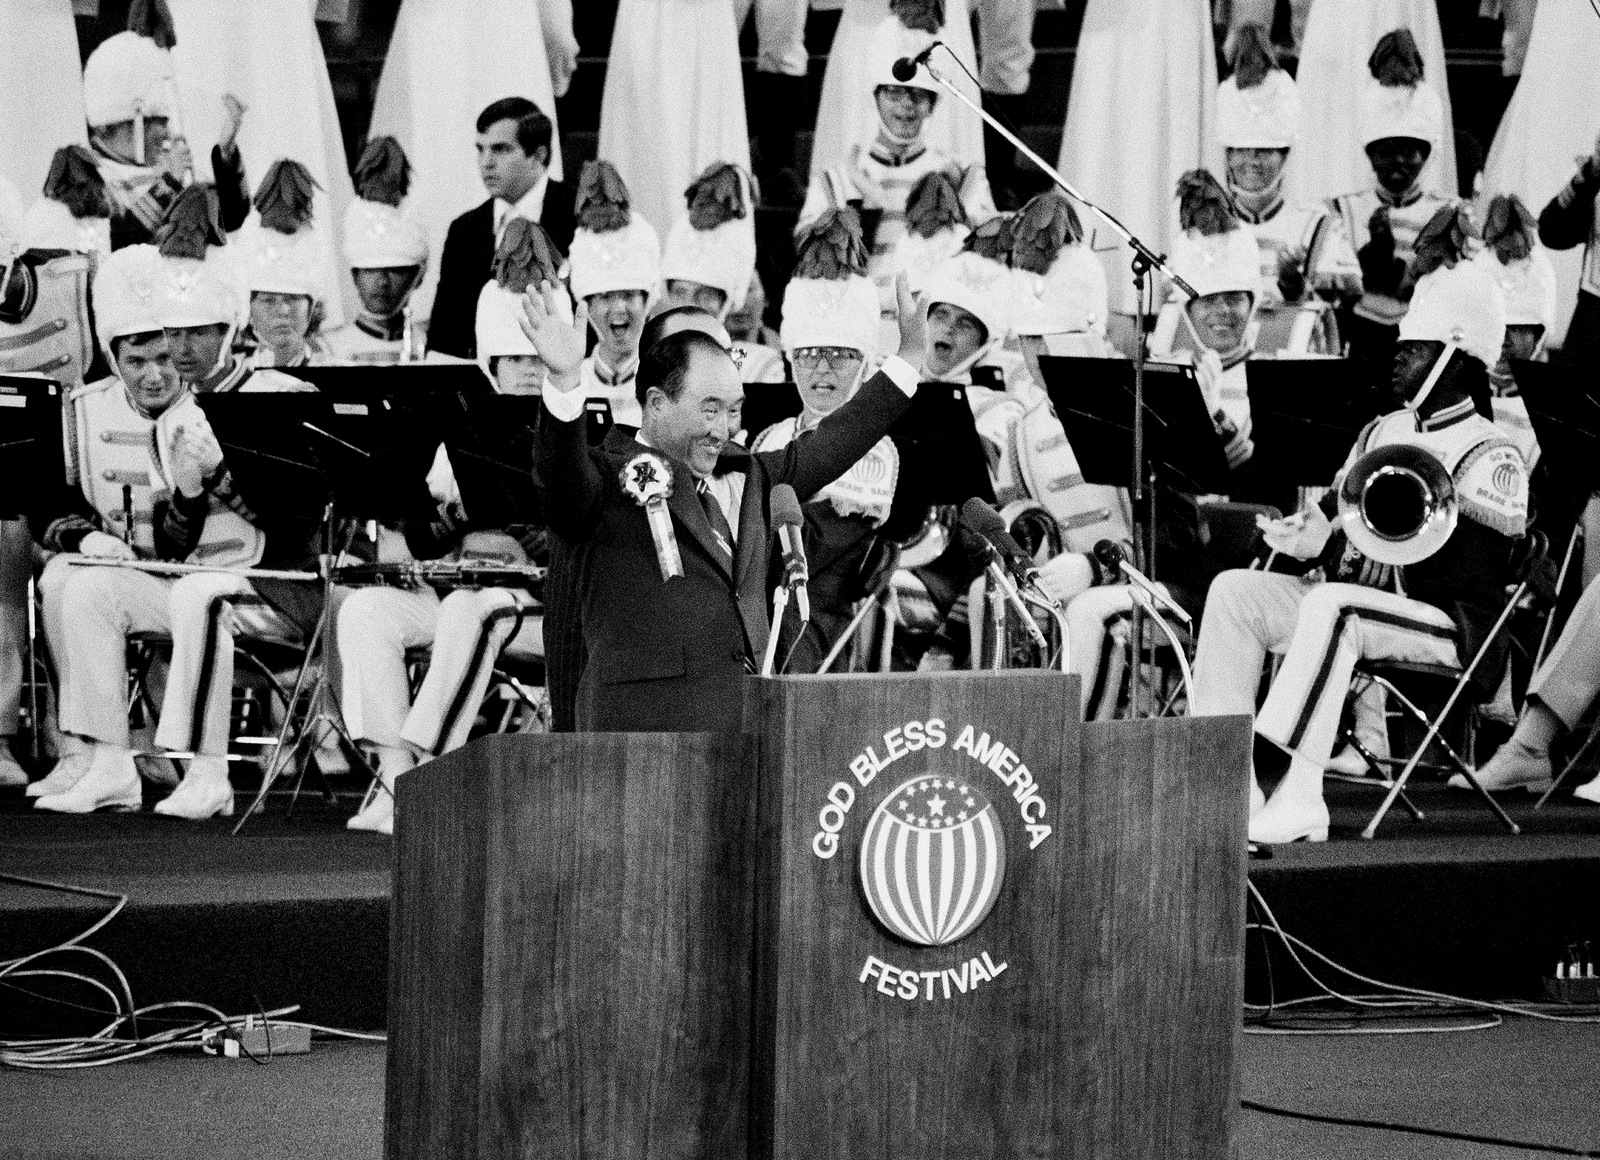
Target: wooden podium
(904, 917)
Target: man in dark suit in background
(513, 160)
(670, 654)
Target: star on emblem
(936, 804)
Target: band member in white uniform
(468, 629)
(1402, 125)
(709, 260)
(1514, 258)
(1306, 260)
(202, 304)
(287, 299)
(616, 271)
(199, 517)
(879, 172)
(1454, 330)
(387, 251)
(830, 333)
(74, 211)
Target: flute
(176, 569)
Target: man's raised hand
(913, 323)
(560, 343)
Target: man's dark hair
(665, 364)
(533, 127)
(143, 338)
(651, 334)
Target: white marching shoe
(204, 792)
(65, 774)
(110, 782)
(1282, 821)
(377, 816)
(1512, 767)
(1589, 791)
(12, 775)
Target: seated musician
(1306, 259)
(469, 628)
(201, 321)
(199, 517)
(830, 334)
(387, 252)
(1449, 338)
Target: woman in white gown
(1340, 34)
(1534, 152)
(41, 89)
(848, 115)
(1141, 113)
(447, 60)
(268, 54)
(674, 100)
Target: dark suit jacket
(466, 262)
(671, 656)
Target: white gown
(268, 54)
(1328, 160)
(1534, 153)
(41, 89)
(1141, 113)
(674, 100)
(848, 114)
(447, 61)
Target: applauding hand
(913, 321)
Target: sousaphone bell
(1398, 505)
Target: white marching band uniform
(1323, 629)
(848, 114)
(624, 259)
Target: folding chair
(1531, 559)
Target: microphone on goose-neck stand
(906, 67)
(790, 524)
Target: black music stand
(32, 476)
(942, 461)
(1564, 407)
(1306, 415)
(1093, 398)
(32, 462)
(360, 450)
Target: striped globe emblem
(933, 860)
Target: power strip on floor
(257, 1039)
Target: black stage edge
(296, 909)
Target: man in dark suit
(670, 654)
(513, 160)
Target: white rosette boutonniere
(647, 480)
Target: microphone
(906, 67)
(1113, 558)
(787, 519)
(986, 522)
(1005, 553)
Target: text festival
(904, 740)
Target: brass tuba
(1397, 504)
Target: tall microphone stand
(1144, 260)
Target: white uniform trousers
(1322, 630)
(88, 614)
(1091, 617)
(206, 610)
(780, 34)
(468, 629)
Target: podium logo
(933, 860)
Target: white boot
(376, 816)
(1589, 791)
(1295, 810)
(111, 782)
(66, 773)
(204, 792)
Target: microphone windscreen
(903, 69)
(785, 507)
(1109, 554)
(983, 519)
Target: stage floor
(296, 909)
(1527, 1081)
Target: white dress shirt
(529, 206)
